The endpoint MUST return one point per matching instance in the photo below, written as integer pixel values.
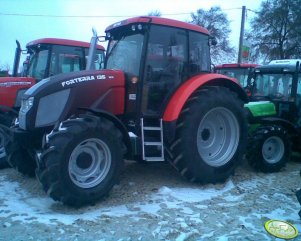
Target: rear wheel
(269, 149)
(210, 136)
(82, 161)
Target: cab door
(164, 69)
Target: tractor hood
(259, 109)
(54, 98)
(12, 88)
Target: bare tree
(4, 69)
(275, 31)
(155, 13)
(217, 23)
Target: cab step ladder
(158, 142)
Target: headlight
(26, 105)
(51, 107)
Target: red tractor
(155, 100)
(46, 57)
(242, 72)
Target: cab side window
(199, 55)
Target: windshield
(38, 64)
(44, 62)
(273, 85)
(125, 53)
(240, 74)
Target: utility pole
(242, 30)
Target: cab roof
(158, 21)
(57, 41)
(282, 65)
(291, 62)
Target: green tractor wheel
(269, 148)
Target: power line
(79, 16)
(252, 10)
(95, 16)
(61, 16)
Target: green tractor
(274, 115)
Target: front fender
(290, 127)
(179, 98)
(118, 123)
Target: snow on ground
(153, 203)
(21, 206)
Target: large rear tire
(269, 149)
(211, 136)
(82, 161)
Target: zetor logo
(82, 79)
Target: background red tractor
(242, 72)
(46, 57)
(155, 100)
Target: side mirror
(212, 41)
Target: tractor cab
(156, 58)
(279, 82)
(45, 57)
(49, 57)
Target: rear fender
(179, 98)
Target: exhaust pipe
(17, 59)
(92, 51)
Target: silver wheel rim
(218, 136)
(273, 149)
(89, 163)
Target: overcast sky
(16, 24)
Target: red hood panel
(9, 87)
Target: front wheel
(21, 159)
(3, 142)
(210, 137)
(269, 148)
(83, 160)
(6, 120)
